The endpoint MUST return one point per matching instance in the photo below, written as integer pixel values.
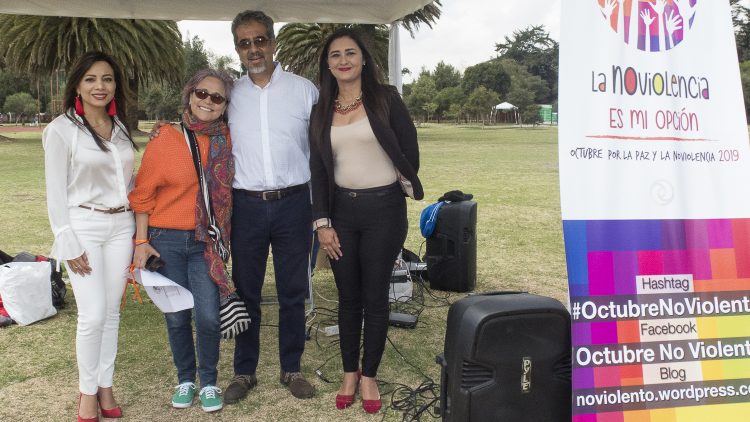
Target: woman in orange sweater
(171, 223)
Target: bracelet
(321, 223)
(139, 242)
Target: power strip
(333, 330)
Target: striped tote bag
(233, 315)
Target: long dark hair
(374, 93)
(122, 94)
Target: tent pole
(394, 57)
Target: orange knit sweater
(166, 186)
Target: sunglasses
(260, 42)
(202, 94)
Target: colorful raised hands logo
(650, 25)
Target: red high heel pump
(372, 406)
(345, 400)
(78, 412)
(113, 413)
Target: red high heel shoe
(113, 413)
(372, 406)
(345, 400)
(78, 412)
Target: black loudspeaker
(451, 255)
(506, 359)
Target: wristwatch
(321, 223)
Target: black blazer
(398, 137)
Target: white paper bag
(26, 291)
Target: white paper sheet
(167, 295)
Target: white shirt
(79, 173)
(269, 128)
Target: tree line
(156, 61)
(524, 73)
(36, 50)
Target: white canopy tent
(505, 107)
(322, 11)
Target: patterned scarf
(219, 172)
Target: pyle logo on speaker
(526, 376)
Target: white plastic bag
(26, 291)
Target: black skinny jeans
(371, 227)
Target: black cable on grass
(419, 251)
(419, 371)
(319, 369)
(443, 299)
(412, 402)
(331, 318)
(415, 402)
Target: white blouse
(78, 172)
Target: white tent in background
(329, 11)
(505, 108)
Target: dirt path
(8, 129)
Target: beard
(257, 69)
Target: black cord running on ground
(413, 403)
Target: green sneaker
(210, 398)
(183, 395)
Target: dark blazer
(398, 137)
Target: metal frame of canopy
(505, 109)
(322, 11)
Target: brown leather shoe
(297, 384)
(239, 387)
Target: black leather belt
(378, 191)
(272, 195)
(106, 210)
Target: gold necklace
(343, 109)
(98, 131)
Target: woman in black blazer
(364, 159)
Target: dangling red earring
(112, 108)
(79, 106)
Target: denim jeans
(283, 224)
(185, 265)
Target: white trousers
(108, 242)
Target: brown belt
(106, 210)
(272, 195)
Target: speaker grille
(473, 375)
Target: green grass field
(513, 175)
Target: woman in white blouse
(88, 160)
